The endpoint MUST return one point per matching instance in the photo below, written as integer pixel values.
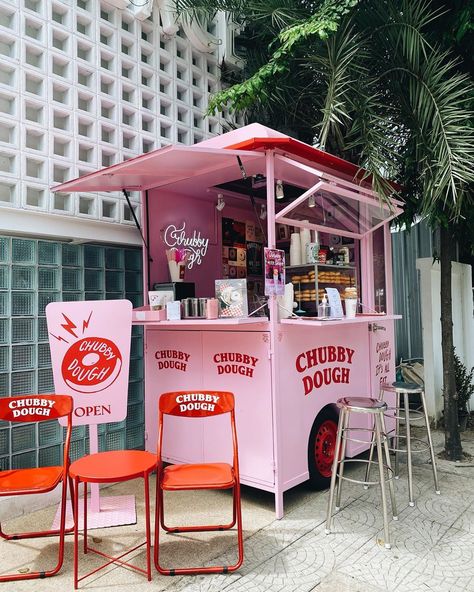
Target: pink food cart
(286, 373)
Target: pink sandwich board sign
(90, 356)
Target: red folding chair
(27, 409)
(197, 404)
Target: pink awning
(159, 168)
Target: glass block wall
(32, 274)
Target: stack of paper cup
(305, 237)
(351, 307)
(295, 249)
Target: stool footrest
(415, 415)
(364, 462)
(424, 445)
(383, 436)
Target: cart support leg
(279, 505)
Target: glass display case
(310, 280)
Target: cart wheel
(322, 441)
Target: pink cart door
(239, 362)
(173, 362)
(382, 360)
(382, 354)
(316, 367)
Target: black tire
(321, 448)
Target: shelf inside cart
(317, 322)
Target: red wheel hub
(324, 447)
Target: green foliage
(270, 15)
(322, 24)
(435, 108)
(464, 383)
(370, 81)
(386, 84)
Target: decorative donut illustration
(91, 365)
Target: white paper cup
(351, 307)
(177, 270)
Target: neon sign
(195, 245)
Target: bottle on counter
(324, 308)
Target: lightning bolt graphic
(85, 324)
(69, 325)
(59, 338)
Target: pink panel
(200, 215)
(382, 361)
(240, 363)
(90, 354)
(173, 362)
(316, 366)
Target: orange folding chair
(27, 409)
(197, 404)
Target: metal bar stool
(376, 408)
(409, 416)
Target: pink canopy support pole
(273, 309)
(94, 447)
(388, 268)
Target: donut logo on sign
(91, 364)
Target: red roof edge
(308, 153)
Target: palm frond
(376, 137)
(322, 24)
(341, 67)
(438, 97)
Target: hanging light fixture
(279, 192)
(259, 180)
(220, 202)
(263, 212)
(311, 201)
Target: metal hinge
(376, 327)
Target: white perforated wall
(85, 85)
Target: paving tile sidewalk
(432, 543)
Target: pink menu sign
(90, 354)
